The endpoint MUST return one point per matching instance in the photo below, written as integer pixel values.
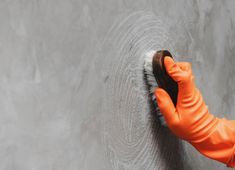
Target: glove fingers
(166, 106)
(173, 69)
(181, 72)
(185, 66)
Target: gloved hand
(191, 120)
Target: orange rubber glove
(191, 120)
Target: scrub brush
(157, 76)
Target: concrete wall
(71, 81)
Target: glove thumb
(166, 106)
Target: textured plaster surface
(72, 93)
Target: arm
(191, 120)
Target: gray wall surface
(72, 91)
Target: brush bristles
(148, 68)
(152, 83)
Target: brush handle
(163, 79)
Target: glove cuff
(220, 144)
